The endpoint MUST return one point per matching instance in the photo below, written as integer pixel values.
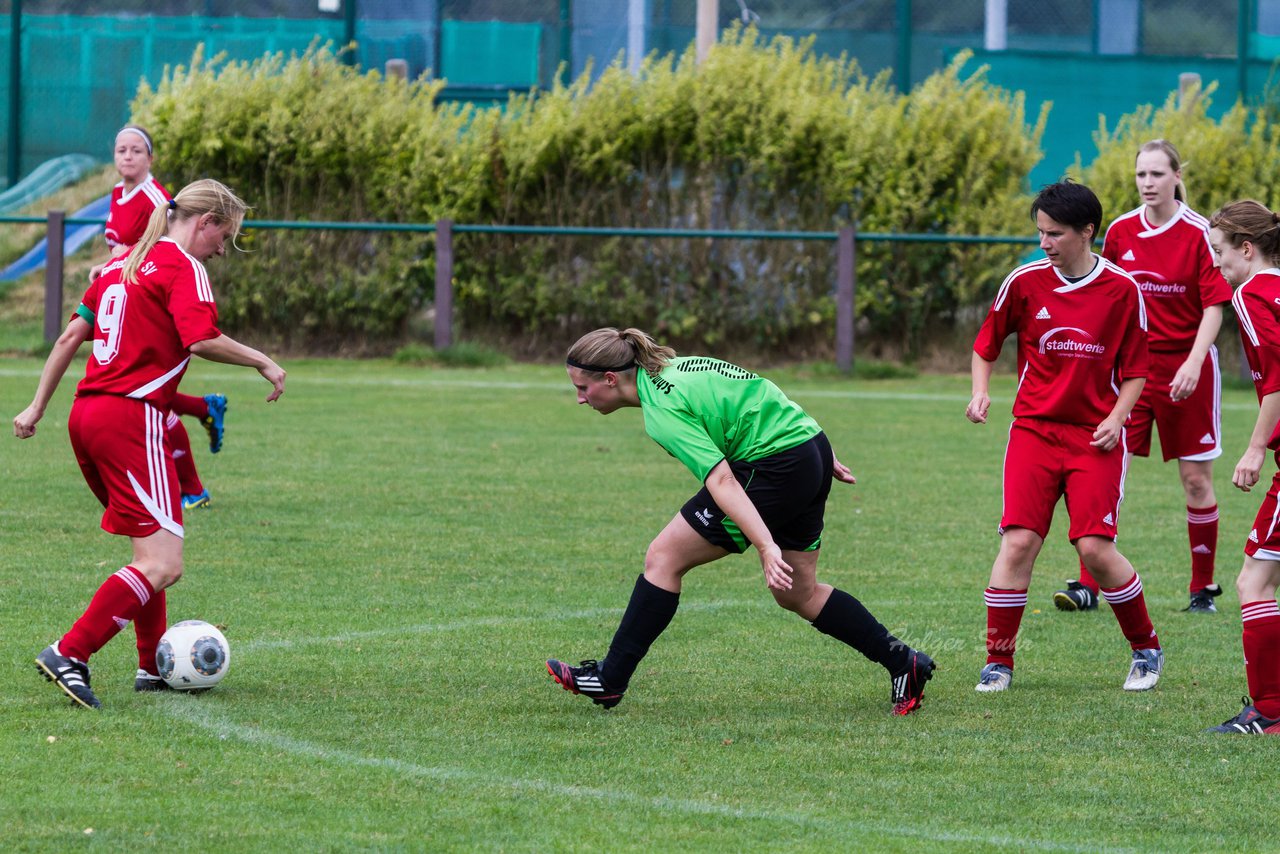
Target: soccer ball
(193, 655)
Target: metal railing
(846, 240)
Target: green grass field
(394, 550)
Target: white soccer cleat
(1144, 672)
(994, 677)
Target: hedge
(761, 136)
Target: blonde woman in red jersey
(1082, 361)
(1164, 245)
(1246, 240)
(147, 314)
(132, 202)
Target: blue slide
(76, 236)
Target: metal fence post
(55, 233)
(444, 284)
(845, 281)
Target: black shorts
(788, 489)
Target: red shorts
(1190, 429)
(1049, 459)
(120, 446)
(1264, 538)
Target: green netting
(1082, 88)
(491, 53)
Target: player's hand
(1184, 381)
(1249, 469)
(842, 472)
(1107, 436)
(275, 375)
(777, 572)
(95, 271)
(24, 426)
(977, 408)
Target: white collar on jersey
(1068, 285)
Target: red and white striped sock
(1087, 579)
(1004, 616)
(1202, 532)
(1130, 608)
(112, 608)
(1261, 621)
(175, 436)
(150, 625)
(187, 404)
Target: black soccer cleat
(69, 674)
(908, 683)
(1202, 600)
(1076, 597)
(585, 680)
(145, 681)
(1248, 722)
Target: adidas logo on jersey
(1253, 535)
(1108, 519)
(1043, 314)
(1127, 256)
(1202, 549)
(1207, 439)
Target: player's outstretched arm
(231, 352)
(77, 331)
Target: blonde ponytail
(198, 198)
(611, 350)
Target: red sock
(1202, 531)
(150, 625)
(180, 447)
(1087, 579)
(1130, 608)
(1004, 616)
(1262, 655)
(186, 404)
(115, 604)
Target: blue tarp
(77, 236)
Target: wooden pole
(444, 284)
(846, 280)
(55, 233)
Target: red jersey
(129, 214)
(1258, 311)
(1173, 265)
(142, 332)
(1075, 339)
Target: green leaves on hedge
(761, 136)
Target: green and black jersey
(703, 410)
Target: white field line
(204, 717)
(467, 624)
(248, 377)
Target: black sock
(846, 620)
(648, 613)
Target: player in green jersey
(766, 469)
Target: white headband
(140, 132)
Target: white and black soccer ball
(193, 655)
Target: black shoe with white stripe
(1202, 600)
(145, 681)
(585, 680)
(908, 683)
(1076, 597)
(1248, 722)
(69, 674)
